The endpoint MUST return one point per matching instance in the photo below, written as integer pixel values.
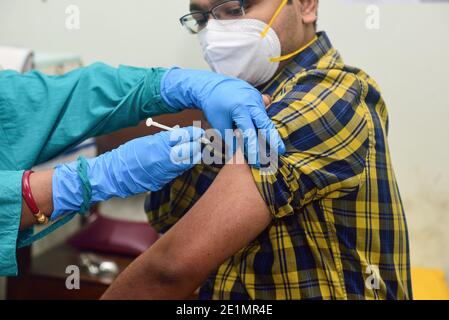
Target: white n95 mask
(248, 49)
(241, 48)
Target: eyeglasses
(194, 22)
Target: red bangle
(29, 199)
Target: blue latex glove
(224, 101)
(141, 165)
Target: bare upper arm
(229, 216)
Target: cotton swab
(152, 123)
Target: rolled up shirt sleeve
(327, 139)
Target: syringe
(152, 123)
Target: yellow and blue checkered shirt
(339, 230)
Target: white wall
(138, 32)
(408, 56)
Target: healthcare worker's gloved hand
(224, 101)
(141, 165)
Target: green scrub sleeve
(42, 116)
(10, 196)
(47, 115)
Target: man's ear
(309, 11)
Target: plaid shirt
(339, 230)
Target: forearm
(41, 187)
(150, 278)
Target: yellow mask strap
(278, 11)
(291, 55)
(265, 32)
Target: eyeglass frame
(207, 14)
